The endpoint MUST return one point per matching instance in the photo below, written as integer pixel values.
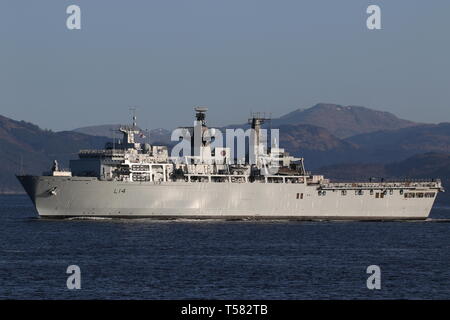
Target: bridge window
(140, 167)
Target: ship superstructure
(134, 179)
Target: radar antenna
(200, 114)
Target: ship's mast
(133, 112)
(256, 121)
(128, 133)
(202, 149)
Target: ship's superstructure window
(141, 177)
(344, 192)
(379, 195)
(275, 179)
(140, 167)
(420, 194)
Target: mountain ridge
(318, 145)
(153, 136)
(344, 121)
(341, 121)
(26, 147)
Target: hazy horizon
(233, 56)
(211, 119)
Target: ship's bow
(29, 183)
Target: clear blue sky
(165, 56)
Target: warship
(131, 179)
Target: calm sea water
(188, 259)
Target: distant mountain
(421, 166)
(427, 165)
(301, 136)
(344, 121)
(105, 130)
(154, 136)
(395, 145)
(25, 145)
(317, 145)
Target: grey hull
(86, 197)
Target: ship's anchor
(53, 191)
